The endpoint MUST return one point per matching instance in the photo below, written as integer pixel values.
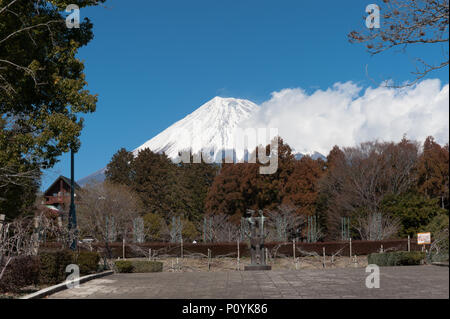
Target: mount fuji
(214, 123)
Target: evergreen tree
(240, 186)
(433, 173)
(42, 94)
(42, 84)
(197, 179)
(118, 169)
(225, 195)
(414, 210)
(302, 189)
(154, 180)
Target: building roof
(65, 180)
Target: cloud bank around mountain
(346, 115)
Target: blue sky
(154, 62)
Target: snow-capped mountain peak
(211, 127)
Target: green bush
(124, 266)
(87, 261)
(21, 272)
(53, 265)
(143, 266)
(439, 230)
(138, 266)
(401, 258)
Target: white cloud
(346, 115)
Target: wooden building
(58, 194)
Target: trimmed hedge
(138, 266)
(49, 267)
(53, 266)
(124, 266)
(401, 258)
(87, 261)
(21, 272)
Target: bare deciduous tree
(360, 180)
(284, 223)
(220, 229)
(106, 207)
(406, 23)
(9, 175)
(16, 239)
(13, 176)
(376, 226)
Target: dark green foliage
(118, 169)
(401, 258)
(53, 266)
(415, 211)
(42, 94)
(196, 179)
(17, 199)
(153, 226)
(21, 272)
(47, 268)
(87, 261)
(42, 81)
(439, 231)
(324, 189)
(438, 224)
(154, 180)
(163, 187)
(124, 266)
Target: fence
(277, 249)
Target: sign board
(423, 238)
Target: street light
(72, 211)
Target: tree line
(384, 189)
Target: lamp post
(72, 211)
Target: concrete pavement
(395, 283)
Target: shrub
(401, 258)
(189, 230)
(124, 266)
(153, 225)
(87, 261)
(439, 250)
(143, 266)
(21, 272)
(138, 266)
(53, 266)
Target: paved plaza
(395, 282)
